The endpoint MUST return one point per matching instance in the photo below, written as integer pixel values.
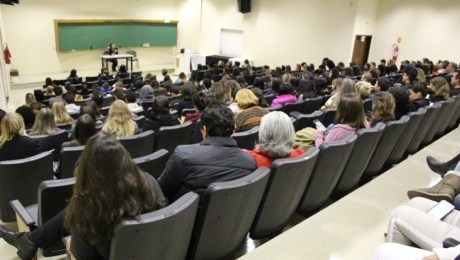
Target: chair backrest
(312, 104)
(19, 179)
(390, 136)
(107, 101)
(399, 150)
(186, 111)
(366, 143)
(287, 182)
(247, 139)
(52, 142)
(197, 136)
(431, 113)
(226, 215)
(169, 137)
(303, 120)
(154, 163)
(328, 169)
(161, 234)
(136, 75)
(160, 92)
(131, 52)
(139, 121)
(53, 196)
(68, 160)
(328, 117)
(291, 107)
(139, 145)
(269, 98)
(455, 115)
(447, 116)
(437, 123)
(367, 105)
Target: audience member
(70, 106)
(30, 98)
(106, 88)
(276, 139)
(44, 123)
(455, 90)
(14, 143)
(364, 89)
(118, 94)
(285, 95)
(216, 159)
(146, 93)
(307, 89)
(61, 116)
(119, 121)
(260, 97)
(27, 114)
(383, 107)
(439, 89)
(160, 115)
(402, 102)
(234, 105)
(349, 118)
(85, 128)
(250, 114)
(200, 101)
(409, 76)
(58, 91)
(131, 99)
(381, 85)
(417, 96)
(218, 91)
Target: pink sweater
(338, 132)
(281, 99)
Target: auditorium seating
(52, 142)
(169, 137)
(154, 163)
(311, 105)
(332, 159)
(225, 217)
(247, 139)
(303, 120)
(426, 123)
(328, 117)
(68, 160)
(161, 234)
(286, 184)
(437, 123)
(53, 196)
(139, 145)
(19, 180)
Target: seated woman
(44, 123)
(276, 139)
(85, 128)
(250, 114)
(260, 96)
(121, 71)
(383, 107)
(181, 80)
(119, 121)
(131, 102)
(340, 86)
(348, 118)
(411, 224)
(14, 143)
(146, 93)
(439, 89)
(200, 101)
(364, 89)
(307, 89)
(160, 115)
(92, 214)
(61, 116)
(285, 95)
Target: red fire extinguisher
(395, 52)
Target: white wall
(29, 30)
(4, 84)
(427, 28)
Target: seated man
(216, 159)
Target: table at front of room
(107, 58)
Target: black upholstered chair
(431, 113)
(291, 107)
(436, 124)
(226, 215)
(332, 159)
(52, 142)
(366, 143)
(19, 179)
(140, 122)
(306, 120)
(398, 152)
(154, 163)
(393, 131)
(328, 117)
(161, 234)
(367, 104)
(53, 196)
(197, 136)
(68, 160)
(169, 137)
(287, 182)
(107, 101)
(446, 117)
(312, 104)
(455, 115)
(186, 111)
(139, 145)
(247, 139)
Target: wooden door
(361, 49)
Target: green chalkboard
(87, 35)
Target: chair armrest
(20, 211)
(295, 114)
(450, 242)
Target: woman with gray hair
(276, 139)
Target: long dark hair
(350, 111)
(85, 128)
(109, 187)
(160, 106)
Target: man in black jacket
(216, 159)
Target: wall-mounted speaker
(244, 6)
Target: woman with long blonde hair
(119, 122)
(44, 123)
(440, 89)
(14, 143)
(61, 116)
